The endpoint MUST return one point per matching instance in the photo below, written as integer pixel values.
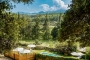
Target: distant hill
(58, 11)
(23, 13)
(42, 12)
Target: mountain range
(42, 12)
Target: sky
(42, 5)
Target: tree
(28, 30)
(25, 27)
(9, 27)
(46, 31)
(59, 26)
(36, 29)
(9, 32)
(54, 33)
(23, 1)
(76, 21)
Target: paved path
(2, 57)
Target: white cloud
(53, 8)
(58, 4)
(45, 7)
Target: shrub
(64, 48)
(88, 52)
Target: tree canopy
(77, 21)
(9, 24)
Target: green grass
(48, 43)
(26, 41)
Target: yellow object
(17, 56)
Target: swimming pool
(49, 54)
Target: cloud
(58, 4)
(45, 7)
(53, 8)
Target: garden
(48, 51)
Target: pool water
(49, 54)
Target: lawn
(50, 43)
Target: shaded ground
(2, 57)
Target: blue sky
(42, 5)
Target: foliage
(76, 21)
(63, 48)
(88, 51)
(87, 55)
(25, 27)
(36, 29)
(9, 26)
(9, 32)
(46, 31)
(54, 33)
(24, 1)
